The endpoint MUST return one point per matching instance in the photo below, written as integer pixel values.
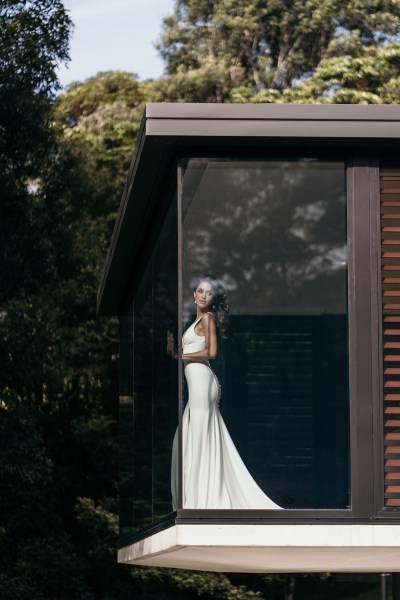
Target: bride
(214, 475)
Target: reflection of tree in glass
(155, 377)
(274, 231)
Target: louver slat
(390, 261)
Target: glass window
(155, 379)
(272, 235)
(125, 425)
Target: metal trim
(360, 342)
(311, 112)
(180, 333)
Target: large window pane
(274, 233)
(142, 404)
(125, 425)
(165, 368)
(155, 377)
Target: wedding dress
(214, 475)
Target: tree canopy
(34, 39)
(236, 50)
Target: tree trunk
(289, 586)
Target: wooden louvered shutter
(390, 236)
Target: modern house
(296, 210)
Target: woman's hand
(171, 345)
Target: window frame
(364, 310)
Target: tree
(33, 40)
(354, 74)
(234, 50)
(105, 112)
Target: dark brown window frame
(247, 155)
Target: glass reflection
(274, 232)
(125, 422)
(142, 407)
(155, 377)
(165, 370)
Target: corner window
(146, 440)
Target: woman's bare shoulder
(208, 319)
(209, 316)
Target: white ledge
(270, 548)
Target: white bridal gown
(214, 475)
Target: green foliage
(36, 553)
(104, 112)
(180, 584)
(234, 50)
(33, 40)
(363, 76)
(58, 377)
(56, 385)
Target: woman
(214, 475)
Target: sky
(114, 35)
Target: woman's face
(204, 295)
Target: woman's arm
(210, 334)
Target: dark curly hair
(220, 306)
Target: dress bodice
(191, 342)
